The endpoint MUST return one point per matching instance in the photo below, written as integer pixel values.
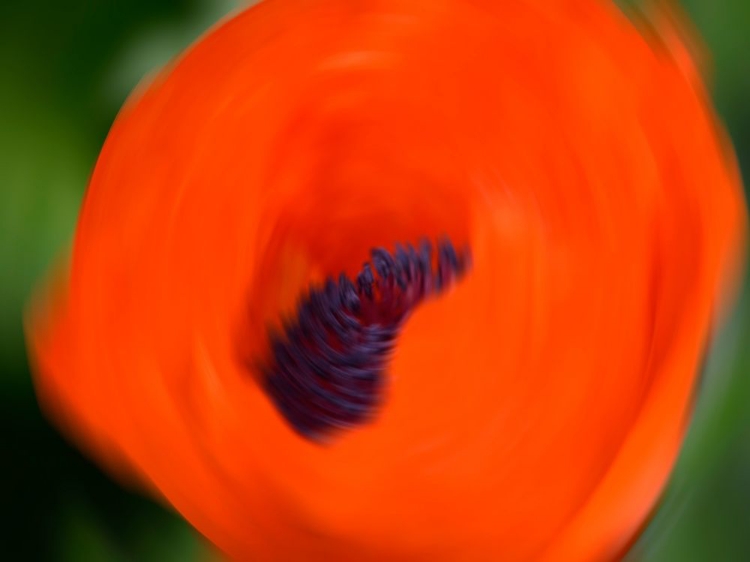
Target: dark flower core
(326, 371)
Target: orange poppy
(526, 404)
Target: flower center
(327, 366)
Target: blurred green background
(65, 69)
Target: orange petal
(533, 413)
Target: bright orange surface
(534, 412)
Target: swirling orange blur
(533, 412)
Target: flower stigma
(327, 366)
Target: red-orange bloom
(533, 411)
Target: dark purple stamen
(327, 366)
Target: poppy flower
(548, 218)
